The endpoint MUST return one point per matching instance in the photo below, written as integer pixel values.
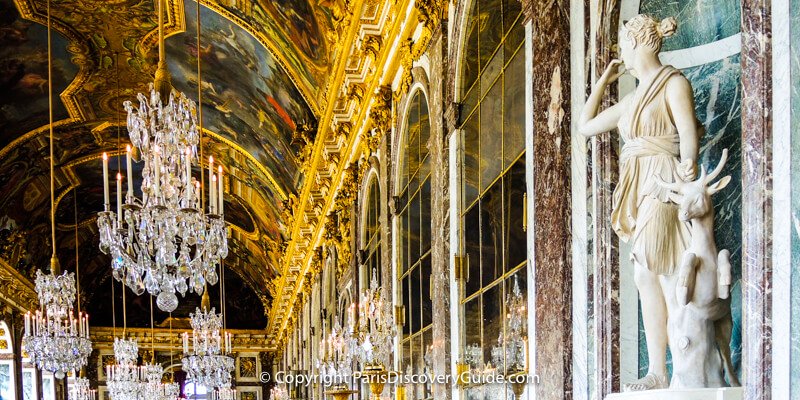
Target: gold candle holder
(340, 392)
(377, 376)
(518, 383)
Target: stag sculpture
(699, 324)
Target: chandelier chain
(200, 111)
(152, 330)
(77, 254)
(53, 265)
(113, 307)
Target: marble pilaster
(16, 330)
(605, 170)
(757, 200)
(784, 201)
(793, 75)
(582, 361)
(548, 157)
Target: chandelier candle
(219, 189)
(213, 202)
(187, 163)
(119, 200)
(210, 186)
(107, 203)
(129, 167)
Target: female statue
(661, 140)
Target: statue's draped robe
(642, 212)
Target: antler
(713, 175)
(672, 186)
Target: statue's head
(643, 35)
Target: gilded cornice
(164, 339)
(15, 289)
(339, 154)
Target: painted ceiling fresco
(298, 25)
(253, 100)
(23, 74)
(249, 100)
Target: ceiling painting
(247, 99)
(301, 34)
(23, 74)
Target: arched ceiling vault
(266, 76)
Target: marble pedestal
(681, 394)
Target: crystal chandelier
(164, 242)
(124, 378)
(224, 393)
(510, 348)
(56, 339)
(374, 332)
(81, 390)
(153, 388)
(335, 359)
(207, 360)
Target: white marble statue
(661, 137)
(700, 327)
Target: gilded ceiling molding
(431, 14)
(303, 137)
(381, 118)
(108, 32)
(331, 152)
(72, 101)
(42, 130)
(243, 339)
(15, 289)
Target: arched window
(7, 388)
(371, 244)
(493, 180)
(414, 211)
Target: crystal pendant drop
(167, 301)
